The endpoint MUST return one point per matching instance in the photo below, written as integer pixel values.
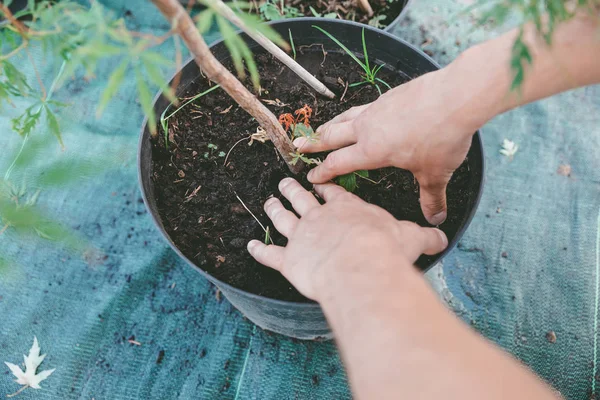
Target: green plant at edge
(545, 15)
(370, 76)
(317, 14)
(274, 10)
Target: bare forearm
(398, 341)
(478, 83)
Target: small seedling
(211, 149)
(273, 10)
(298, 156)
(377, 20)
(317, 14)
(299, 123)
(370, 76)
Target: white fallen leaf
(29, 378)
(509, 148)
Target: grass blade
(384, 82)
(364, 44)
(351, 54)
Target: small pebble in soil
(551, 337)
(181, 174)
(238, 209)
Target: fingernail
(269, 202)
(284, 182)
(299, 142)
(438, 218)
(443, 236)
(252, 245)
(310, 175)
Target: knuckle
(409, 226)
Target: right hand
(415, 126)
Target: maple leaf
(29, 378)
(509, 148)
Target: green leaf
(351, 54)
(314, 12)
(156, 58)
(157, 78)
(231, 44)
(112, 86)
(255, 23)
(26, 122)
(53, 124)
(347, 181)
(204, 20)
(67, 172)
(146, 101)
(270, 12)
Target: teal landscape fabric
(135, 322)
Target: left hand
(343, 241)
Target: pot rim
(295, 304)
(395, 21)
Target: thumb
(433, 198)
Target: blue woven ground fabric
(136, 322)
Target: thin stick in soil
(253, 216)
(272, 48)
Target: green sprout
(292, 43)
(370, 76)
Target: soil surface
(384, 11)
(196, 193)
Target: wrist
(475, 88)
(353, 286)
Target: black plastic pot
(392, 24)
(388, 28)
(305, 320)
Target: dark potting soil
(196, 193)
(384, 11)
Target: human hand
(338, 240)
(415, 126)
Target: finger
(329, 191)
(271, 256)
(348, 114)
(284, 220)
(433, 198)
(433, 241)
(330, 136)
(302, 200)
(419, 240)
(340, 162)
